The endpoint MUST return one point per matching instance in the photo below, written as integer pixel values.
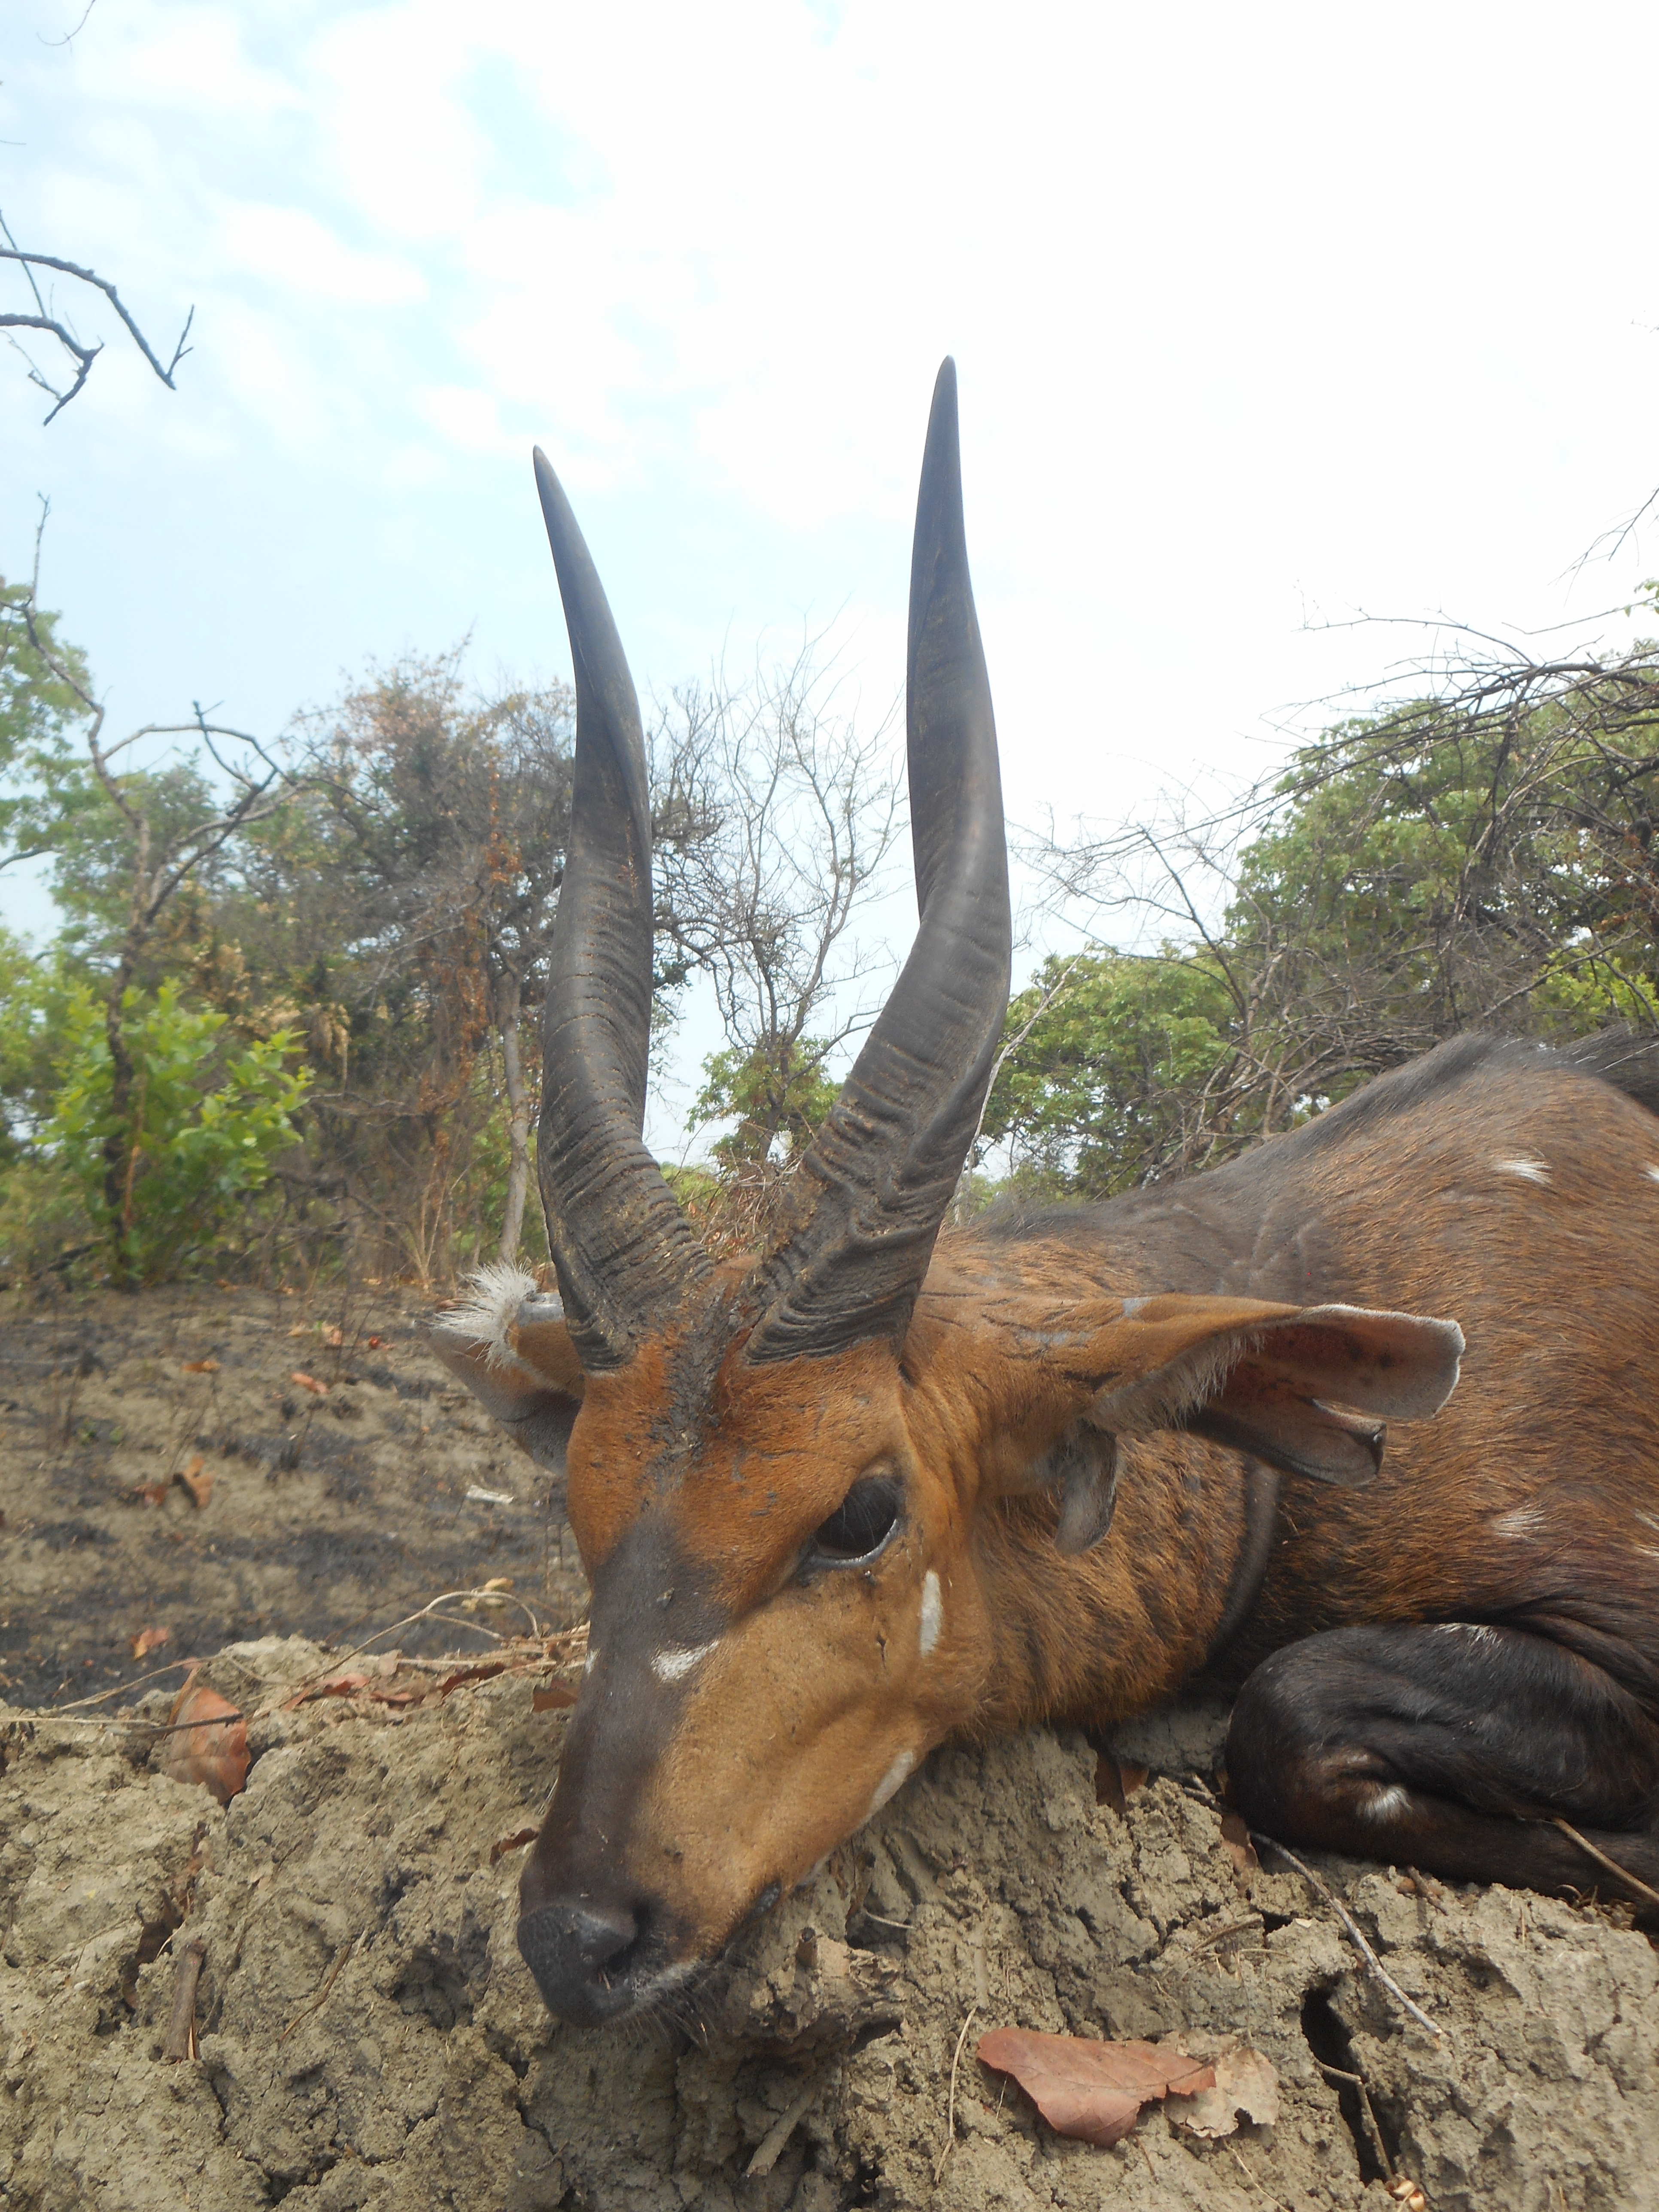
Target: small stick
(316, 2004)
(1353, 1928)
(181, 2028)
(950, 2112)
(1602, 1859)
(1338, 2074)
(769, 2149)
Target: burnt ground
(327, 1515)
(369, 2038)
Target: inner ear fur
(508, 1343)
(1292, 1385)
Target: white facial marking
(932, 1612)
(675, 1663)
(891, 1781)
(1386, 1804)
(1529, 1170)
(1519, 1522)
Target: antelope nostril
(579, 1956)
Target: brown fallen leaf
(309, 1383)
(1090, 2089)
(498, 1851)
(556, 1698)
(482, 1672)
(1235, 1842)
(151, 1639)
(1116, 1781)
(201, 1367)
(332, 1339)
(300, 1329)
(210, 1742)
(148, 1494)
(375, 1342)
(1244, 2082)
(197, 1479)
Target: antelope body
(885, 1486)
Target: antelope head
(773, 1471)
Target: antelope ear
(1301, 1386)
(508, 1343)
(1287, 1382)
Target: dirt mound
(369, 2037)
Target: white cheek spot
(1520, 1523)
(932, 1612)
(1386, 1804)
(891, 1781)
(674, 1664)
(1529, 1170)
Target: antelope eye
(861, 1525)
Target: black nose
(580, 1957)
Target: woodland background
(289, 1027)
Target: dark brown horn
(874, 1187)
(625, 1253)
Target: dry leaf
(481, 1673)
(375, 1342)
(499, 1851)
(1116, 1781)
(197, 1479)
(1090, 2089)
(151, 1639)
(309, 1383)
(211, 1742)
(1244, 2082)
(201, 1367)
(556, 1698)
(1235, 1842)
(332, 1339)
(148, 1494)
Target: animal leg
(1452, 1749)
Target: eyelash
(862, 1525)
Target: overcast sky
(1263, 317)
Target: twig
(1340, 2074)
(951, 2111)
(316, 2004)
(1602, 1859)
(181, 2027)
(769, 2149)
(1353, 1928)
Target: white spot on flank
(1529, 1170)
(891, 1781)
(932, 1612)
(1386, 1804)
(1520, 1521)
(673, 1665)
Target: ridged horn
(874, 1187)
(625, 1253)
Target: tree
(795, 816)
(158, 830)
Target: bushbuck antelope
(885, 1486)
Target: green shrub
(207, 1120)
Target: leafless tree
(799, 812)
(53, 322)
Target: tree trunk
(517, 1108)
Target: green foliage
(38, 713)
(1101, 1086)
(208, 1120)
(778, 1100)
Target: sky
(1265, 319)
